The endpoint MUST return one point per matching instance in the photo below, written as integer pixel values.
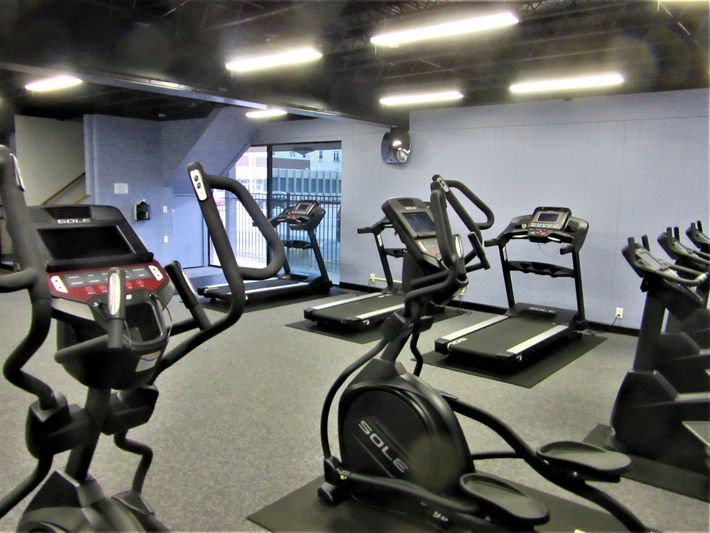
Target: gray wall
(127, 151)
(51, 154)
(150, 158)
(628, 164)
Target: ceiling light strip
(445, 29)
(55, 83)
(573, 83)
(290, 57)
(266, 113)
(421, 98)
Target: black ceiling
(124, 49)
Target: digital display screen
(84, 242)
(303, 207)
(420, 222)
(547, 217)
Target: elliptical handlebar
(203, 184)
(29, 277)
(474, 228)
(470, 223)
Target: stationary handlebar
(670, 242)
(116, 311)
(645, 263)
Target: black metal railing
(250, 247)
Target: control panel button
(58, 284)
(157, 274)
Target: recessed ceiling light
(572, 83)
(55, 83)
(421, 98)
(266, 113)
(289, 57)
(445, 29)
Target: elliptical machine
(84, 266)
(401, 443)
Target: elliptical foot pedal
(332, 494)
(589, 461)
(502, 500)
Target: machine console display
(303, 209)
(85, 242)
(420, 222)
(549, 218)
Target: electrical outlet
(619, 313)
(373, 278)
(165, 239)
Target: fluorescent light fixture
(445, 29)
(266, 113)
(166, 84)
(420, 98)
(293, 56)
(55, 83)
(589, 81)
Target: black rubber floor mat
(365, 336)
(663, 476)
(530, 375)
(303, 511)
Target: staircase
(74, 192)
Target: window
(304, 171)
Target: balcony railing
(250, 247)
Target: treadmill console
(303, 209)
(545, 220)
(547, 224)
(305, 215)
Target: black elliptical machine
(85, 267)
(401, 443)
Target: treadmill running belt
(507, 338)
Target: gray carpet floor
(236, 426)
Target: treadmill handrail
(376, 228)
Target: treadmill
(511, 341)
(365, 310)
(305, 216)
